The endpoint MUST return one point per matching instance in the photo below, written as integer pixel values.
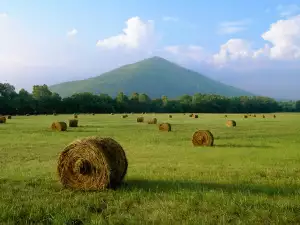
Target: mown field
(250, 176)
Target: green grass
(250, 176)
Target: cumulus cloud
(72, 32)
(288, 10)
(137, 34)
(170, 18)
(230, 27)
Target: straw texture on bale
(203, 138)
(9, 117)
(152, 121)
(170, 116)
(231, 123)
(2, 119)
(195, 116)
(165, 127)
(59, 126)
(140, 119)
(73, 123)
(92, 163)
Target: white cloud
(288, 10)
(170, 18)
(191, 52)
(72, 32)
(3, 15)
(137, 34)
(230, 27)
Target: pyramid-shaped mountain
(153, 76)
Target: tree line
(43, 101)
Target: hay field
(250, 176)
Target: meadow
(250, 176)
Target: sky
(254, 45)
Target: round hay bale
(2, 119)
(225, 116)
(274, 116)
(170, 116)
(203, 138)
(92, 163)
(59, 126)
(75, 116)
(152, 121)
(165, 127)
(54, 114)
(195, 116)
(9, 117)
(191, 115)
(263, 116)
(93, 114)
(73, 123)
(140, 119)
(231, 123)
(254, 115)
(245, 116)
(124, 116)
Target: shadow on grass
(171, 186)
(242, 146)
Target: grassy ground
(251, 176)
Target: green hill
(154, 76)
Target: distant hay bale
(140, 119)
(27, 114)
(225, 116)
(152, 121)
(195, 116)
(263, 116)
(2, 119)
(164, 127)
(170, 116)
(59, 126)
(54, 114)
(231, 123)
(191, 115)
(93, 114)
(92, 163)
(245, 116)
(124, 116)
(254, 115)
(73, 123)
(274, 116)
(75, 116)
(203, 138)
(112, 114)
(9, 117)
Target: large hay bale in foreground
(164, 127)
(152, 121)
(231, 123)
(203, 138)
(92, 163)
(73, 123)
(9, 117)
(2, 119)
(59, 126)
(140, 119)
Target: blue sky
(52, 40)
